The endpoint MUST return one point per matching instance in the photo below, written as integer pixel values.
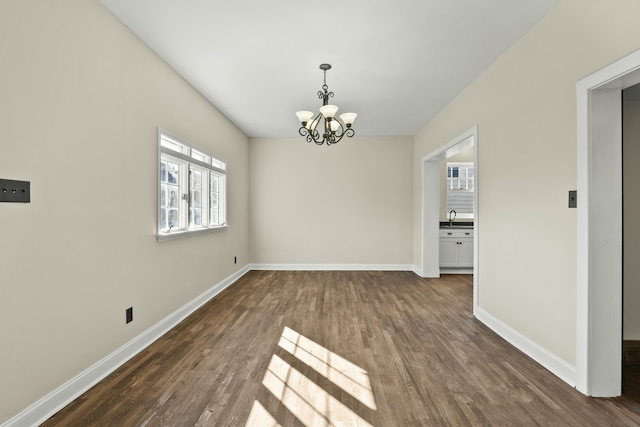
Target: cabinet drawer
(456, 233)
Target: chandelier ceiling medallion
(333, 129)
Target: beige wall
(525, 107)
(631, 189)
(81, 100)
(350, 203)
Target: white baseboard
(448, 270)
(550, 361)
(44, 408)
(334, 267)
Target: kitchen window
(460, 186)
(191, 189)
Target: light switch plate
(573, 199)
(15, 191)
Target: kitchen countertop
(456, 224)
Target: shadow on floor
(631, 388)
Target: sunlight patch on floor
(346, 375)
(311, 404)
(259, 416)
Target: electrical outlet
(129, 314)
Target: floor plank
(343, 348)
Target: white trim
(430, 218)
(188, 233)
(599, 227)
(558, 366)
(44, 408)
(334, 267)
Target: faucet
(454, 216)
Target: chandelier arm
(310, 136)
(340, 131)
(337, 138)
(338, 135)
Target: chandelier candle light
(334, 128)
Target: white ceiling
(395, 63)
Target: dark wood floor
(342, 348)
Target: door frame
(599, 227)
(430, 221)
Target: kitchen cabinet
(456, 248)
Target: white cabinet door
(449, 252)
(465, 253)
(456, 248)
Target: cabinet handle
(449, 234)
(467, 233)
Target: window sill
(189, 233)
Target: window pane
(214, 213)
(173, 218)
(219, 164)
(163, 171)
(173, 196)
(173, 173)
(196, 179)
(196, 200)
(195, 217)
(163, 219)
(163, 195)
(199, 156)
(195, 206)
(172, 145)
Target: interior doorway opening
(631, 243)
(430, 256)
(599, 294)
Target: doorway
(430, 256)
(599, 227)
(631, 243)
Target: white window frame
(190, 157)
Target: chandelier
(332, 129)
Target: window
(460, 185)
(191, 187)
